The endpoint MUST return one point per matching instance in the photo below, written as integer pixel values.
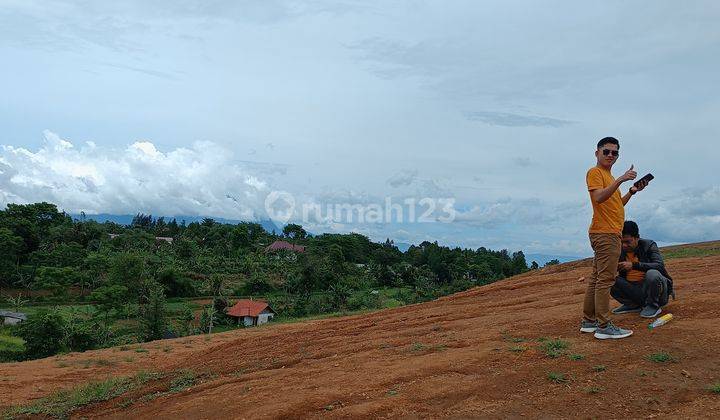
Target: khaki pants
(597, 295)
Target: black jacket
(648, 256)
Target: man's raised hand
(629, 175)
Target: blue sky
(190, 107)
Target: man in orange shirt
(644, 285)
(605, 229)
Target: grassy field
(691, 252)
(10, 346)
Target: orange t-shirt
(633, 275)
(608, 216)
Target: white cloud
(185, 181)
(686, 216)
(403, 178)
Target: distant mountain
(402, 246)
(541, 259)
(126, 219)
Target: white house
(251, 312)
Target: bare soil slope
(473, 354)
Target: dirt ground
(473, 354)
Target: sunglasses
(610, 152)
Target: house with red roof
(284, 245)
(251, 312)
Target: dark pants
(652, 291)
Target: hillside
(478, 353)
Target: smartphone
(648, 178)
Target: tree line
(128, 272)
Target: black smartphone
(648, 178)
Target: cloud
(149, 72)
(516, 120)
(202, 180)
(508, 211)
(685, 216)
(403, 178)
(75, 25)
(523, 161)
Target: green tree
(552, 262)
(57, 280)
(127, 269)
(110, 300)
(187, 316)
(10, 247)
(82, 332)
(96, 267)
(294, 231)
(207, 319)
(176, 284)
(43, 333)
(152, 313)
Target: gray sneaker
(611, 331)
(650, 312)
(588, 327)
(626, 309)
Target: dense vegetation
(125, 276)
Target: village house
(284, 245)
(12, 318)
(167, 239)
(251, 312)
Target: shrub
(558, 378)
(44, 334)
(554, 348)
(84, 334)
(363, 300)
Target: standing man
(605, 232)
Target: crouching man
(643, 285)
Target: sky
(210, 107)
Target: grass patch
(660, 357)
(576, 357)
(96, 362)
(599, 368)
(714, 388)
(554, 348)
(11, 348)
(558, 378)
(185, 380)
(62, 403)
(417, 347)
(507, 337)
(691, 252)
(11, 343)
(141, 350)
